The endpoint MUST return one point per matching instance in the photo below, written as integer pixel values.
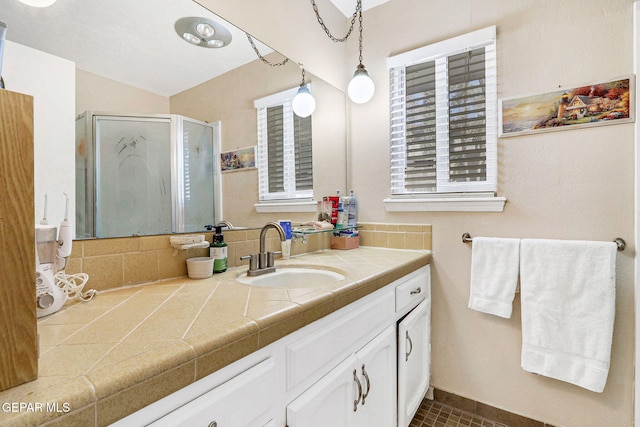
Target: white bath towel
(494, 275)
(568, 309)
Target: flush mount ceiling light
(361, 87)
(203, 32)
(38, 3)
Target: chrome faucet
(264, 262)
(225, 223)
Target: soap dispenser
(218, 251)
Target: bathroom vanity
(339, 370)
(217, 352)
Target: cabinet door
(414, 361)
(244, 400)
(376, 365)
(330, 401)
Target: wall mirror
(130, 60)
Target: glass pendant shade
(361, 87)
(303, 103)
(38, 3)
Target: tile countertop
(128, 347)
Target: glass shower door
(195, 201)
(133, 176)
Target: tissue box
(345, 242)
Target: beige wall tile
(414, 240)
(98, 247)
(380, 239)
(140, 267)
(396, 240)
(234, 235)
(148, 243)
(111, 263)
(105, 272)
(172, 263)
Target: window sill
(276, 207)
(446, 204)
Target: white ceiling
(130, 41)
(347, 7)
(133, 41)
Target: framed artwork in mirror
(238, 160)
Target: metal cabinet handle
(410, 347)
(213, 424)
(366, 377)
(355, 402)
(416, 291)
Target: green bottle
(218, 251)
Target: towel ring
(619, 241)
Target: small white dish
(200, 267)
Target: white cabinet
(376, 367)
(364, 365)
(414, 361)
(245, 400)
(360, 391)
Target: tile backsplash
(113, 263)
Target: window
(284, 155)
(443, 110)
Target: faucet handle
(253, 261)
(271, 258)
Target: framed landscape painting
(589, 105)
(238, 160)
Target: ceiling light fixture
(38, 3)
(303, 103)
(203, 32)
(361, 87)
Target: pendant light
(303, 103)
(361, 87)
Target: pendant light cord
(303, 83)
(262, 58)
(353, 22)
(360, 38)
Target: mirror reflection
(130, 60)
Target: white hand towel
(568, 309)
(494, 275)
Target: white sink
(292, 277)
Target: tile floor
(435, 414)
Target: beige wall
(571, 184)
(229, 99)
(291, 27)
(96, 93)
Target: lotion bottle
(218, 251)
(341, 222)
(352, 214)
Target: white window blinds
(443, 109)
(284, 149)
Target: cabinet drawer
(314, 355)
(415, 289)
(244, 400)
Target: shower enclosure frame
(87, 174)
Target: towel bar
(619, 241)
